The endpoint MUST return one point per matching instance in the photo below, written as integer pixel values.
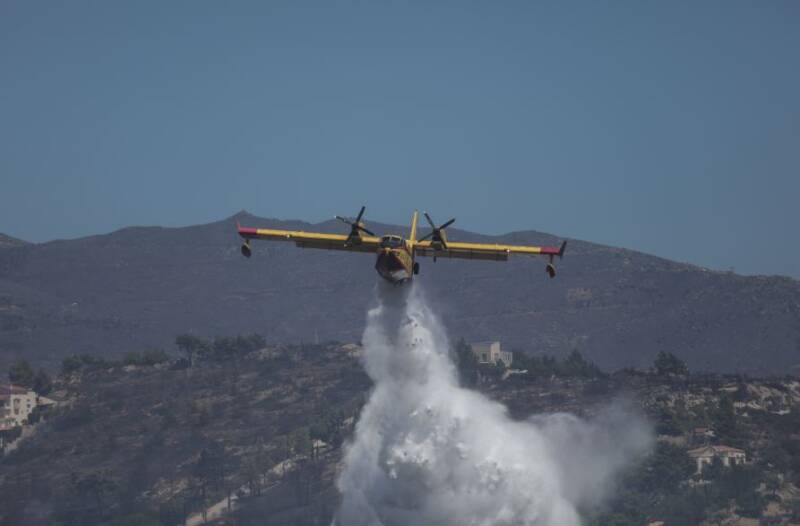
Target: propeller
(356, 225)
(436, 233)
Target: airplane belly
(391, 266)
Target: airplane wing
(313, 239)
(483, 250)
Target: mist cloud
(427, 451)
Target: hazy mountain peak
(8, 241)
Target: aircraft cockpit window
(391, 242)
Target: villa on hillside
(490, 353)
(730, 456)
(16, 405)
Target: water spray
(427, 451)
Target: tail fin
(413, 235)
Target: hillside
(138, 287)
(150, 445)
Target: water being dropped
(427, 451)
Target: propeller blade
(423, 238)
(361, 213)
(343, 220)
(363, 229)
(447, 224)
(430, 221)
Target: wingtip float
(396, 255)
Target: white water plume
(427, 451)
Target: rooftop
(712, 450)
(9, 389)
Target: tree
(540, 366)
(76, 362)
(305, 479)
(71, 363)
(725, 423)
(714, 471)
(576, 365)
(21, 373)
(665, 469)
(251, 342)
(266, 459)
(668, 423)
(225, 348)
(96, 484)
(191, 346)
(252, 473)
(772, 483)
(685, 508)
(466, 362)
(208, 470)
(42, 383)
(327, 427)
(147, 357)
(667, 363)
(300, 441)
(795, 509)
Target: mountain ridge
(10, 241)
(139, 286)
(329, 225)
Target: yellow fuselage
(395, 264)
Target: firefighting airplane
(395, 254)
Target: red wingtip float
(396, 254)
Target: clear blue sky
(667, 127)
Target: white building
(730, 456)
(490, 353)
(16, 404)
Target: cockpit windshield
(391, 242)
